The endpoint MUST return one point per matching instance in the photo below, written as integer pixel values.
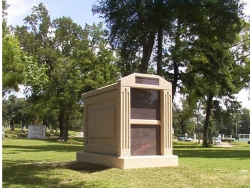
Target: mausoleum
(129, 124)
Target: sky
(80, 12)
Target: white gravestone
(37, 132)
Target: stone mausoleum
(129, 124)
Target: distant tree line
(228, 121)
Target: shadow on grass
(187, 146)
(48, 139)
(74, 144)
(74, 165)
(45, 148)
(36, 174)
(212, 153)
(71, 140)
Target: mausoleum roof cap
(135, 80)
(147, 80)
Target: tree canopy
(67, 60)
(12, 57)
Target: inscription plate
(148, 81)
(145, 104)
(145, 140)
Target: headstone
(23, 129)
(37, 132)
(219, 137)
(3, 133)
(129, 124)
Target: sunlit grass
(48, 163)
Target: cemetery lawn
(48, 163)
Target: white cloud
(247, 7)
(16, 9)
(242, 97)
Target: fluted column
(166, 122)
(124, 130)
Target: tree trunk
(65, 132)
(61, 123)
(183, 130)
(206, 125)
(176, 60)
(45, 122)
(183, 127)
(159, 53)
(210, 136)
(198, 129)
(175, 80)
(147, 50)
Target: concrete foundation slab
(130, 162)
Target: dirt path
(225, 145)
(79, 135)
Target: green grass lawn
(48, 163)
(18, 133)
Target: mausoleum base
(130, 162)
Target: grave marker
(36, 132)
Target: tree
(161, 32)
(214, 77)
(215, 74)
(128, 24)
(12, 64)
(244, 122)
(70, 60)
(183, 121)
(14, 112)
(102, 70)
(241, 51)
(211, 71)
